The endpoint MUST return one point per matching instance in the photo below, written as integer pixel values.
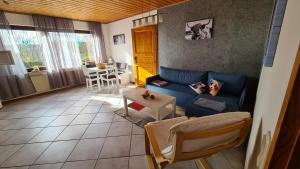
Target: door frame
(283, 110)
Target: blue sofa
(233, 91)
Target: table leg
(125, 105)
(157, 114)
(174, 108)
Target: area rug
(139, 118)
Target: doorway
(144, 42)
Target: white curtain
(14, 80)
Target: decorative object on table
(6, 58)
(198, 87)
(101, 65)
(211, 104)
(148, 96)
(214, 87)
(201, 29)
(119, 39)
(160, 83)
(110, 61)
(135, 106)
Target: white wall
(274, 80)
(123, 52)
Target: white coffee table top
(159, 101)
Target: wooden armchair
(183, 139)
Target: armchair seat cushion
(109, 76)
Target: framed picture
(201, 29)
(119, 39)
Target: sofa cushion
(183, 93)
(182, 76)
(232, 83)
(230, 100)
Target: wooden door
(285, 147)
(144, 41)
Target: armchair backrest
(85, 70)
(207, 135)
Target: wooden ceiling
(104, 11)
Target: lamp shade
(6, 58)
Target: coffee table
(158, 108)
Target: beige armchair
(181, 139)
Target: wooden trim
(32, 28)
(283, 108)
(204, 163)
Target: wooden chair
(90, 77)
(181, 139)
(110, 76)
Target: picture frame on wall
(119, 39)
(199, 30)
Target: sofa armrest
(242, 98)
(152, 78)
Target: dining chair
(182, 139)
(90, 77)
(110, 76)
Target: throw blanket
(211, 104)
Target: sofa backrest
(182, 76)
(232, 83)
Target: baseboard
(39, 94)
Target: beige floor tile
(22, 136)
(120, 129)
(80, 165)
(37, 112)
(113, 163)
(57, 152)
(183, 165)
(55, 111)
(19, 123)
(41, 122)
(116, 147)
(138, 162)
(81, 103)
(108, 108)
(97, 130)
(47, 166)
(63, 120)
(87, 149)
(7, 151)
(96, 103)
(137, 130)
(90, 109)
(65, 103)
(48, 134)
(73, 110)
(4, 123)
(26, 155)
(83, 119)
(4, 135)
(103, 118)
(137, 145)
(72, 132)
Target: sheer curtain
(96, 30)
(14, 80)
(61, 52)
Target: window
(31, 50)
(86, 47)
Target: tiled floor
(77, 129)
